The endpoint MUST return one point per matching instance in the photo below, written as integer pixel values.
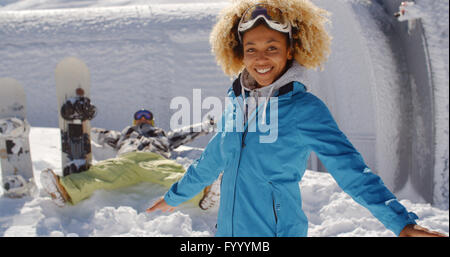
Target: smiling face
(266, 53)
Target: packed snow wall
(408, 79)
(364, 84)
(422, 37)
(139, 57)
(144, 56)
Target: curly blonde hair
(311, 40)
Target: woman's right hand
(412, 230)
(160, 205)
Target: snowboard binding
(75, 167)
(77, 145)
(17, 187)
(13, 130)
(78, 108)
(13, 127)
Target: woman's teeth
(262, 71)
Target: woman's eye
(272, 48)
(250, 50)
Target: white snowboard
(72, 78)
(15, 156)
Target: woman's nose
(261, 56)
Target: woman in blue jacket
(272, 124)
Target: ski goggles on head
(143, 114)
(271, 15)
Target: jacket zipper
(244, 135)
(246, 128)
(274, 211)
(235, 183)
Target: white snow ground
(122, 212)
(132, 69)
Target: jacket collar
(284, 85)
(288, 90)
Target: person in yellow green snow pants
(142, 156)
(123, 171)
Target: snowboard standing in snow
(15, 157)
(75, 112)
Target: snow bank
(18, 5)
(139, 57)
(435, 21)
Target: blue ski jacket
(260, 193)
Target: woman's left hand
(412, 230)
(160, 205)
